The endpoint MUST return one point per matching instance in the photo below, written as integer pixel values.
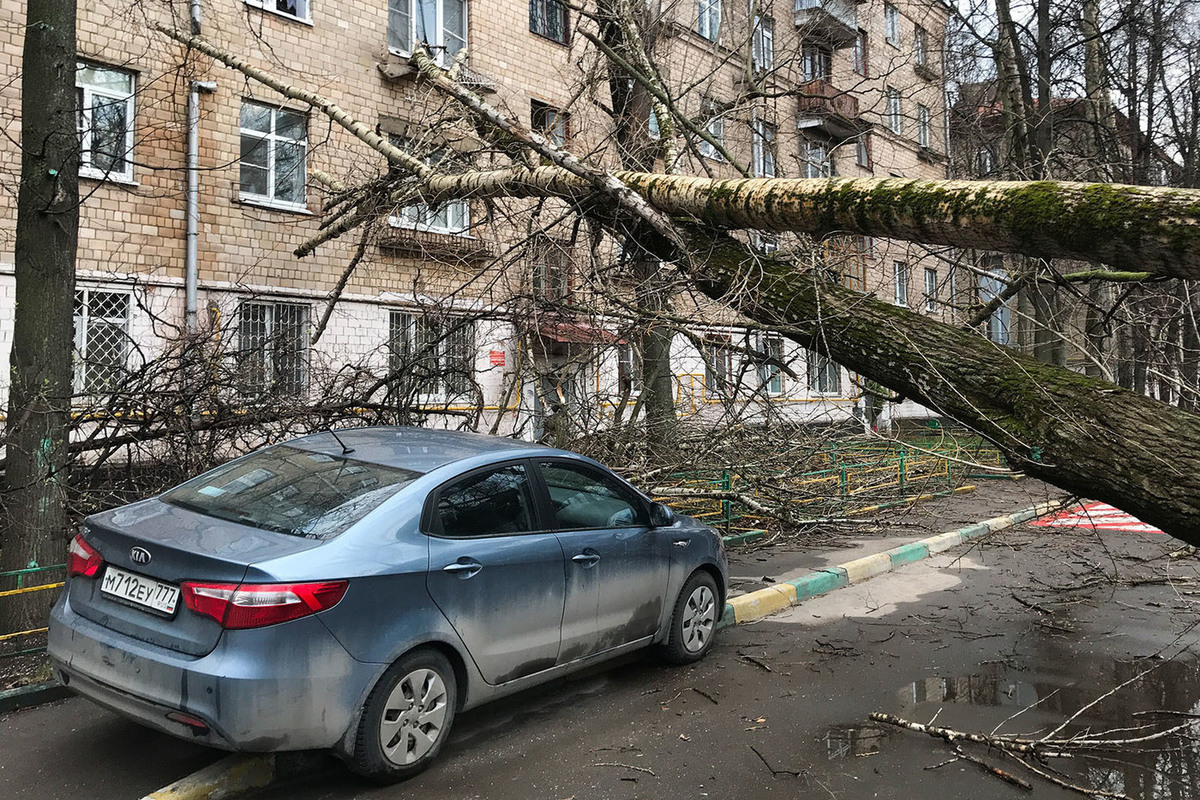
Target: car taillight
(82, 558)
(255, 605)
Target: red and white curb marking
(1097, 516)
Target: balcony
(823, 107)
(836, 21)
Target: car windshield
(292, 491)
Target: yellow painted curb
(867, 567)
(227, 777)
(756, 605)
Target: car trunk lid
(169, 544)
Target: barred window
(273, 348)
(434, 356)
(101, 339)
(771, 348)
(824, 375)
(549, 18)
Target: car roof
(416, 449)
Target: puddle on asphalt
(1161, 757)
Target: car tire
(406, 719)
(694, 620)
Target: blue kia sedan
(354, 590)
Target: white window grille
(101, 339)
(274, 155)
(440, 24)
(104, 121)
(273, 348)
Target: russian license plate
(140, 590)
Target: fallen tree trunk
(1081, 434)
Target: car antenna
(345, 450)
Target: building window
(101, 339)
(104, 121)
(762, 149)
(629, 369)
(652, 126)
(815, 155)
(923, 126)
(549, 18)
(297, 9)
(920, 47)
(985, 159)
(274, 155)
(715, 127)
(771, 372)
(931, 289)
(551, 271)
(894, 122)
(816, 62)
(709, 25)
(273, 348)
(765, 243)
(891, 24)
(862, 150)
(763, 47)
(550, 122)
(859, 57)
(824, 375)
(440, 24)
(991, 286)
(718, 367)
(900, 283)
(435, 357)
(451, 217)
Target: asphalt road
(780, 707)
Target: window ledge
(289, 17)
(543, 37)
(107, 177)
(272, 205)
(409, 241)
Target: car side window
(584, 498)
(490, 503)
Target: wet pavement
(1016, 632)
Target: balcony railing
(835, 20)
(821, 105)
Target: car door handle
(586, 559)
(682, 542)
(464, 568)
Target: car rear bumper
(285, 687)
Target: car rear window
(288, 490)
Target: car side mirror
(661, 516)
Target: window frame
(771, 376)
(816, 62)
(272, 139)
(894, 113)
(84, 123)
(900, 283)
(924, 126)
(631, 369)
(422, 216)
(820, 367)
(273, 385)
(814, 168)
(81, 337)
(431, 521)
(920, 46)
(763, 138)
(860, 54)
(992, 282)
(547, 120)
(718, 366)
(438, 49)
(273, 8)
(714, 126)
(762, 46)
(450, 380)
(545, 7)
(708, 20)
(891, 24)
(931, 289)
(862, 151)
(624, 491)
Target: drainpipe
(193, 182)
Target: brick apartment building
(798, 88)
